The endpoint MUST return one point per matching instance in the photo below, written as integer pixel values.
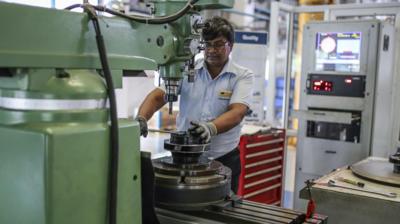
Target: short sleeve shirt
(205, 99)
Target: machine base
(237, 212)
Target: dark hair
(216, 27)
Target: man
(213, 106)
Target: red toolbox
(262, 163)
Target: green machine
(58, 163)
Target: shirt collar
(228, 67)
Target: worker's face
(217, 51)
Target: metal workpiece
(168, 167)
(184, 189)
(204, 167)
(187, 180)
(377, 169)
(185, 148)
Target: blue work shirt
(205, 99)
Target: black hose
(141, 19)
(114, 144)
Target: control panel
(337, 97)
(336, 85)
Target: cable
(141, 19)
(114, 144)
(114, 135)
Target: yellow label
(225, 94)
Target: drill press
(55, 157)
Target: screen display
(338, 51)
(321, 85)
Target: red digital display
(321, 85)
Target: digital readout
(321, 85)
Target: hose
(114, 144)
(114, 135)
(141, 19)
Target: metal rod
(288, 73)
(161, 131)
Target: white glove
(203, 129)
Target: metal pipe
(161, 131)
(288, 72)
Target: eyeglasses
(219, 45)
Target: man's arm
(238, 107)
(221, 124)
(152, 103)
(230, 118)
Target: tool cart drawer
(262, 157)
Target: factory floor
(154, 143)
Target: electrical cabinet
(337, 97)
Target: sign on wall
(250, 50)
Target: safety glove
(143, 125)
(203, 129)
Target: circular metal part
(187, 180)
(191, 193)
(195, 148)
(185, 153)
(190, 187)
(378, 170)
(185, 148)
(167, 167)
(185, 138)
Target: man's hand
(203, 129)
(143, 125)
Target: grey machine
(338, 78)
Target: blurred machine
(366, 192)
(345, 95)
